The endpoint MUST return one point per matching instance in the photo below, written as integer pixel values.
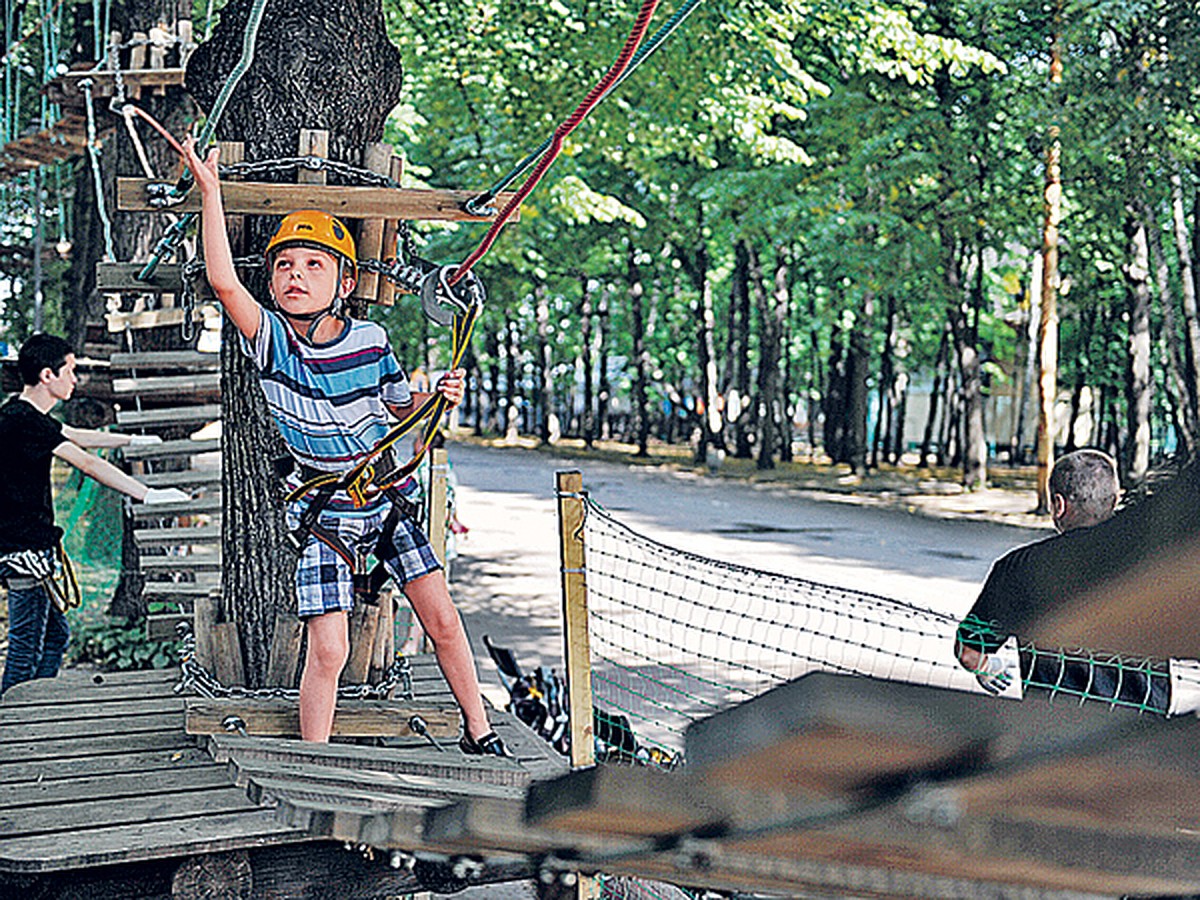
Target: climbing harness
(54, 573)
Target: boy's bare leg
(328, 648)
(431, 602)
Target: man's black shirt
(27, 441)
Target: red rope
(560, 134)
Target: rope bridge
(676, 637)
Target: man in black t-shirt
(29, 438)
(1093, 546)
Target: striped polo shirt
(328, 399)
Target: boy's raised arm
(218, 258)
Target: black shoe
(488, 745)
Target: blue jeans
(37, 633)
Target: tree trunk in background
(739, 405)
(935, 396)
(637, 329)
(604, 389)
(772, 311)
(973, 441)
(1182, 402)
(544, 399)
(858, 370)
(833, 401)
(695, 264)
(587, 422)
(324, 64)
(1138, 382)
(510, 425)
(1187, 280)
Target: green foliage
(117, 643)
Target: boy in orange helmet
(330, 383)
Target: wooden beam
(353, 718)
(256, 198)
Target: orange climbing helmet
(320, 230)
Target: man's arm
(101, 470)
(239, 304)
(98, 440)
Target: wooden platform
(98, 774)
(836, 785)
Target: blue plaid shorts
(325, 581)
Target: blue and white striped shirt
(328, 399)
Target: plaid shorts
(325, 581)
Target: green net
(91, 518)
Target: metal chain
(197, 679)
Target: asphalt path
(506, 582)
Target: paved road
(506, 578)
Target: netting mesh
(676, 637)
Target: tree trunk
(1138, 383)
(1188, 281)
(935, 396)
(740, 407)
(637, 328)
(543, 373)
(604, 389)
(324, 64)
(773, 311)
(587, 422)
(858, 369)
(973, 447)
(709, 402)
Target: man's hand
(166, 495)
(994, 674)
(452, 386)
(144, 440)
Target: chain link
(195, 678)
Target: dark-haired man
(29, 539)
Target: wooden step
(191, 384)
(192, 562)
(165, 626)
(198, 478)
(172, 449)
(192, 360)
(181, 592)
(209, 504)
(352, 718)
(175, 415)
(173, 537)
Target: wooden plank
(449, 764)
(364, 622)
(118, 277)
(206, 505)
(156, 318)
(172, 450)
(107, 845)
(195, 478)
(400, 829)
(12, 716)
(353, 718)
(207, 412)
(165, 626)
(264, 790)
(65, 88)
(184, 563)
(192, 360)
(158, 807)
(187, 535)
(85, 686)
(180, 756)
(100, 745)
(345, 202)
(375, 158)
(169, 385)
(180, 591)
(71, 729)
(111, 786)
(227, 654)
(335, 779)
(284, 658)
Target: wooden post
(387, 290)
(577, 652)
(364, 622)
(376, 157)
(313, 142)
(436, 492)
(285, 651)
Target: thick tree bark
(318, 64)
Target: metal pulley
(442, 301)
